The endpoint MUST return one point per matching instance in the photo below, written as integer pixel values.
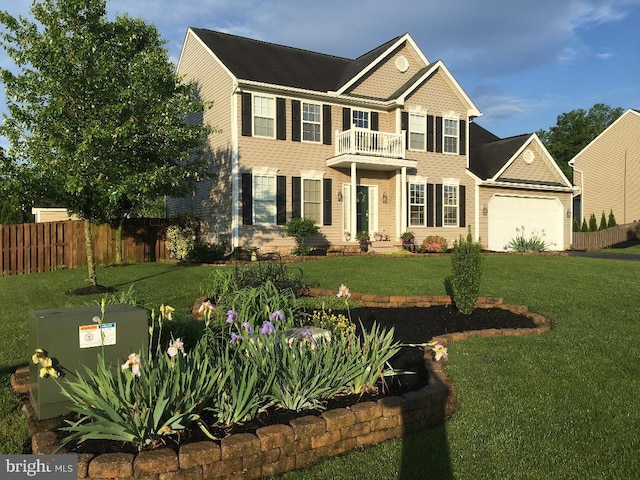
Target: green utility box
(74, 337)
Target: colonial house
(607, 172)
(380, 143)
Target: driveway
(610, 256)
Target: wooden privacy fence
(605, 238)
(40, 247)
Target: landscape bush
(466, 270)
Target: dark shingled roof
(260, 61)
(488, 153)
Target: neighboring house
(607, 172)
(52, 214)
(377, 144)
(520, 190)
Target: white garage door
(542, 216)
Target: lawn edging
(277, 449)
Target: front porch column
(403, 201)
(353, 205)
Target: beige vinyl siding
(211, 202)
(539, 170)
(604, 162)
(487, 193)
(386, 79)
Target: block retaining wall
(277, 449)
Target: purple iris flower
(231, 316)
(267, 327)
(247, 326)
(235, 338)
(277, 315)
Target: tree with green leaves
(603, 222)
(612, 220)
(575, 130)
(97, 116)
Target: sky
(522, 62)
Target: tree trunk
(118, 240)
(91, 266)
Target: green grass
(633, 249)
(555, 406)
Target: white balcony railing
(361, 141)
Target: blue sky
(522, 62)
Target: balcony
(375, 150)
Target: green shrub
(466, 270)
(300, 229)
(585, 226)
(603, 222)
(612, 220)
(181, 236)
(204, 253)
(593, 223)
(576, 225)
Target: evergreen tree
(612, 220)
(593, 223)
(603, 222)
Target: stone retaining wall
(307, 440)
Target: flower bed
(306, 440)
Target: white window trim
(264, 172)
(312, 175)
(424, 116)
(456, 119)
(368, 112)
(253, 116)
(422, 182)
(451, 182)
(302, 122)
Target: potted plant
(407, 240)
(364, 240)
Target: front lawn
(559, 405)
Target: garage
(538, 215)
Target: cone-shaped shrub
(466, 270)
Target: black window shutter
(429, 133)
(281, 200)
(404, 125)
(439, 134)
(430, 188)
(281, 119)
(462, 205)
(295, 120)
(438, 205)
(326, 214)
(247, 199)
(246, 114)
(346, 119)
(296, 197)
(462, 132)
(326, 124)
(374, 121)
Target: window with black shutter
(296, 197)
(326, 125)
(246, 114)
(247, 199)
(295, 120)
(326, 198)
(281, 200)
(462, 132)
(281, 119)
